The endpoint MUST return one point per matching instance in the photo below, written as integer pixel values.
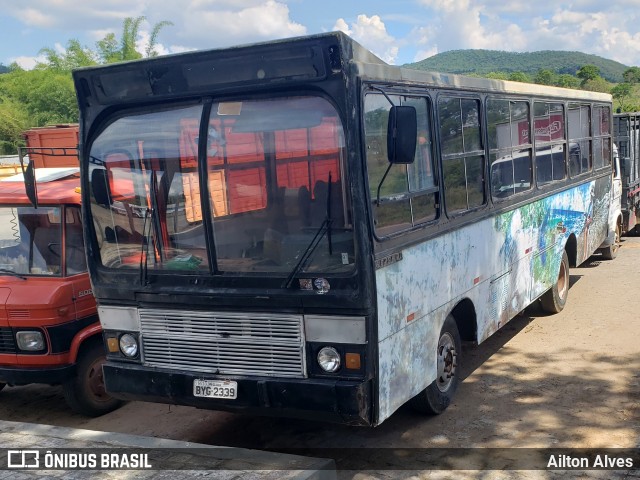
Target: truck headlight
(30, 341)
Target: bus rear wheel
(554, 300)
(85, 393)
(435, 399)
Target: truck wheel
(85, 393)
(611, 252)
(435, 399)
(555, 298)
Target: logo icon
(23, 459)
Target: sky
(398, 31)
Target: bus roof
(309, 58)
(55, 192)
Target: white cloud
(522, 25)
(220, 23)
(27, 63)
(372, 34)
(590, 26)
(463, 24)
(198, 23)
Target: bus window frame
(398, 91)
(530, 147)
(480, 99)
(552, 184)
(589, 138)
(608, 136)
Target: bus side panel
(500, 264)
(415, 296)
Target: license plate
(215, 389)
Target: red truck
(49, 327)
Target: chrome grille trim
(223, 343)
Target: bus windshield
(30, 241)
(273, 174)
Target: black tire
(85, 393)
(2, 385)
(611, 252)
(554, 300)
(435, 399)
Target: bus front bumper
(341, 401)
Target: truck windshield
(30, 241)
(273, 171)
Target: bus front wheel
(611, 252)
(85, 393)
(435, 399)
(554, 300)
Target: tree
(74, 56)
(520, 77)
(497, 75)
(544, 77)
(567, 81)
(13, 121)
(110, 49)
(153, 38)
(632, 75)
(588, 73)
(130, 28)
(597, 84)
(621, 93)
(46, 95)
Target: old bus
(296, 228)
(49, 327)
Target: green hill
(482, 62)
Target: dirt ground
(566, 380)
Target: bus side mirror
(100, 187)
(402, 134)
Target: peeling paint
(516, 255)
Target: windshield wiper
(144, 251)
(325, 227)
(329, 218)
(6, 271)
(315, 241)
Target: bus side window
(579, 123)
(550, 142)
(408, 195)
(510, 147)
(463, 157)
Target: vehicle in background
(49, 327)
(626, 131)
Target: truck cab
(49, 327)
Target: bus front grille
(223, 343)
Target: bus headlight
(329, 359)
(30, 341)
(129, 345)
